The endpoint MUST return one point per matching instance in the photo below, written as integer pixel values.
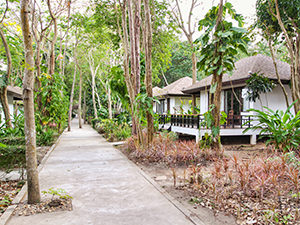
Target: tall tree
(148, 66)
(283, 22)
(94, 70)
(188, 30)
(219, 49)
(5, 79)
(123, 34)
(3, 86)
(28, 97)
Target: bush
(12, 157)
(46, 137)
(112, 130)
(165, 150)
(282, 128)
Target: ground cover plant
(113, 130)
(281, 127)
(261, 189)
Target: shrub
(46, 137)
(113, 130)
(165, 150)
(282, 128)
(12, 157)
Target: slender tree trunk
(217, 79)
(109, 102)
(129, 84)
(132, 44)
(137, 34)
(93, 97)
(30, 133)
(98, 98)
(3, 90)
(71, 97)
(38, 84)
(84, 107)
(277, 74)
(16, 108)
(53, 41)
(79, 99)
(148, 61)
(194, 69)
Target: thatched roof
(175, 87)
(156, 91)
(243, 68)
(16, 92)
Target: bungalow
(14, 96)
(171, 99)
(234, 100)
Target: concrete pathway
(106, 188)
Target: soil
(182, 192)
(47, 205)
(10, 188)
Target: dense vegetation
(100, 63)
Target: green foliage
(5, 202)
(60, 193)
(54, 101)
(143, 105)
(208, 124)
(12, 157)
(46, 136)
(170, 135)
(289, 12)
(282, 127)
(220, 45)
(113, 130)
(17, 130)
(258, 84)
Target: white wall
(274, 100)
(203, 102)
(185, 102)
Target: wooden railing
(196, 121)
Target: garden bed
(10, 188)
(253, 185)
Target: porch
(194, 125)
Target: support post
(253, 139)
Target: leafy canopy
(220, 45)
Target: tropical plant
(281, 127)
(219, 45)
(258, 84)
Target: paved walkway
(106, 188)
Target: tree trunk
(194, 69)
(93, 97)
(148, 62)
(277, 74)
(30, 132)
(79, 99)
(52, 42)
(109, 102)
(137, 34)
(38, 84)
(84, 107)
(217, 79)
(3, 90)
(194, 63)
(71, 98)
(132, 44)
(129, 84)
(98, 98)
